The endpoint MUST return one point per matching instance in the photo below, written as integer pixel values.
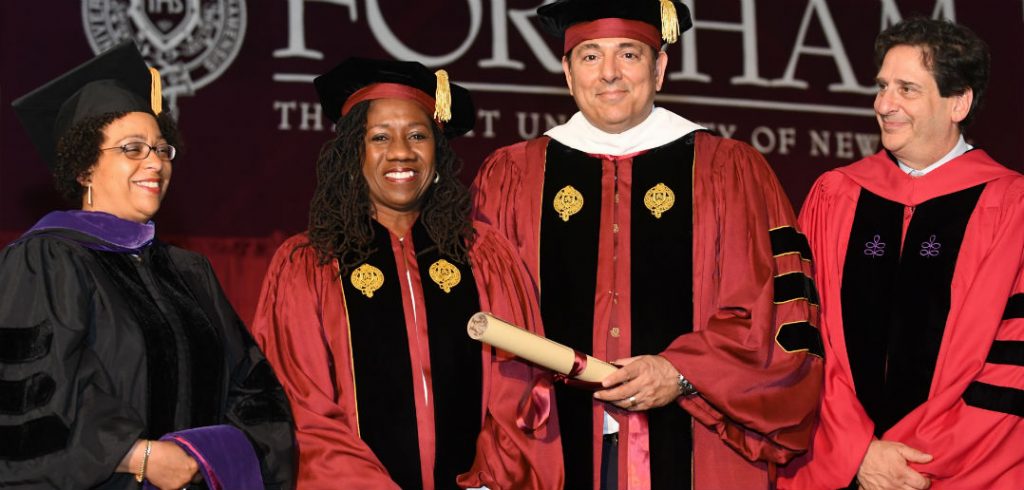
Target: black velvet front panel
(455, 363)
(895, 305)
(568, 279)
(162, 360)
(662, 291)
(869, 282)
(380, 359)
(207, 368)
(923, 286)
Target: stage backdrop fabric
(795, 78)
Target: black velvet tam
(115, 81)
(353, 74)
(559, 16)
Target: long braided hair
(341, 214)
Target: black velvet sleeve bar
(67, 428)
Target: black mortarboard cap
(670, 18)
(359, 79)
(116, 81)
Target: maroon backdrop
(792, 77)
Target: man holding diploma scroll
(669, 251)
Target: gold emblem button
(568, 201)
(367, 279)
(615, 332)
(445, 275)
(659, 199)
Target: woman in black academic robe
(109, 338)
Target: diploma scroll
(538, 350)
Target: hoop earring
(89, 194)
(437, 178)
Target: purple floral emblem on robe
(875, 248)
(930, 248)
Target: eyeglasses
(139, 151)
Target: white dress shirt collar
(960, 148)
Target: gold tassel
(156, 100)
(669, 22)
(442, 97)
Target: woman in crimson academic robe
(364, 315)
(111, 339)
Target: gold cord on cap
(155, 92)
(442, 97)
(669, 22)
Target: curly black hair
(341, 214)
(955, 55)
(78, 149)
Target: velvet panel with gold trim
(381, 367)
(800, 337)
(568, 280)
(455, 358)
(792, 286)
(383, 370)
(662, 291)
(661, 270)
(787, 240)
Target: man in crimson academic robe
(665, 249)
(918, 254)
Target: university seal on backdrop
(191, 42)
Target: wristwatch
(685, 388)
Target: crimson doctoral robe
(941, 370)
(387, 389)
(710, 273)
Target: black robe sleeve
(60, 424)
